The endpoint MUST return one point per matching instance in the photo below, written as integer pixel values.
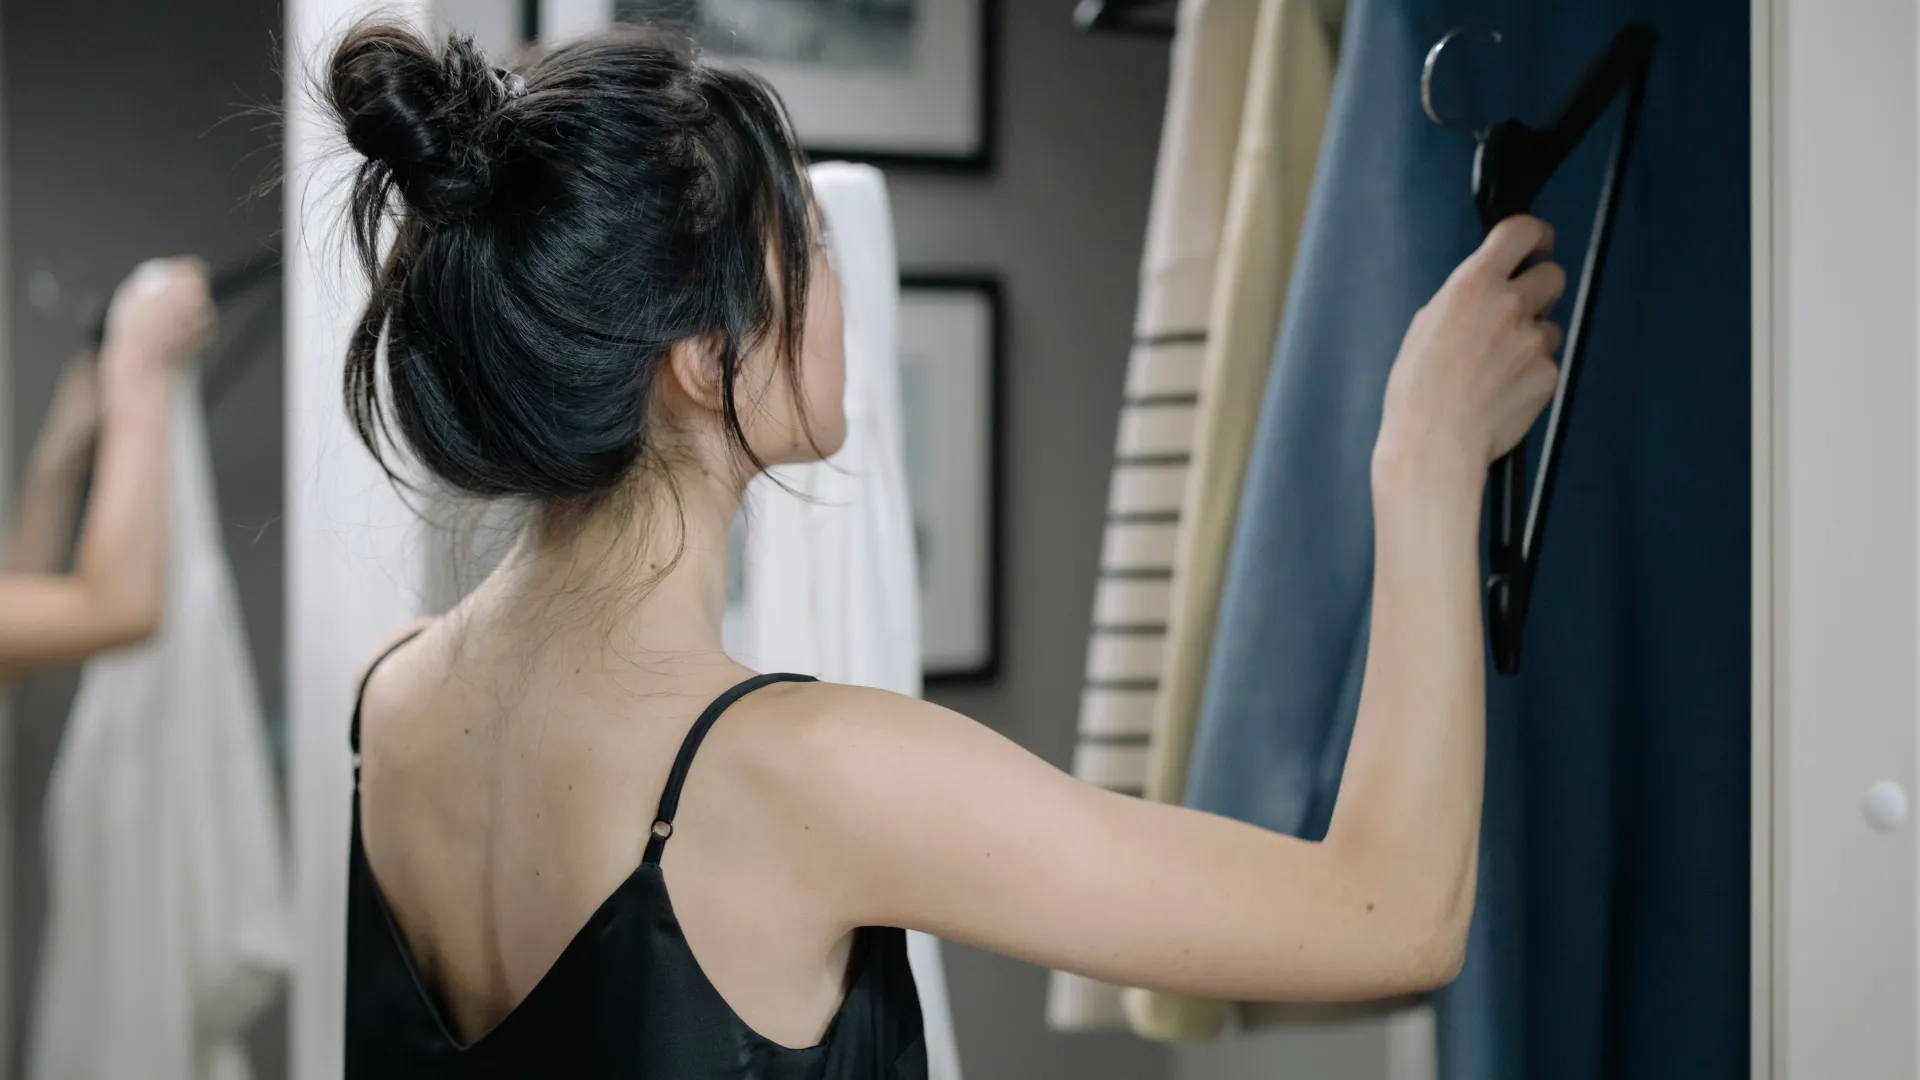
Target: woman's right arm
(50, 488)
(915, 816)
(160, 315)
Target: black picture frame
(980, 158)
(989, 293)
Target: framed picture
(906, 82)
(950, 385)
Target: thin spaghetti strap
(360, 693)
(670, 798)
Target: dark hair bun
(546, 252)
(431, 122)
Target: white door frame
(1761, 883)
(353, 555)
(1836, 580)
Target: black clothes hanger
(1510, 167)
(1122, 17)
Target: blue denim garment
(1611, 934)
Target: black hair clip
(1510, 167)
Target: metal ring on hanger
(1433, 59)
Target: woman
(159, 317)
(607, 299)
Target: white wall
(563, 19)
(494, 24)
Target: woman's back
(507, 911)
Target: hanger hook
(1433, 59)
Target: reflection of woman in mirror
(110, 414)
(607, 297)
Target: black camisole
(626, 999)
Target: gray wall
(1060, 220)
(117, 151)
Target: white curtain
(168, 926)
(831, 584)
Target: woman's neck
(645, 574)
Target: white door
(1834, 537)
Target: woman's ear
(693, 372)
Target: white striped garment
(1212, 53)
